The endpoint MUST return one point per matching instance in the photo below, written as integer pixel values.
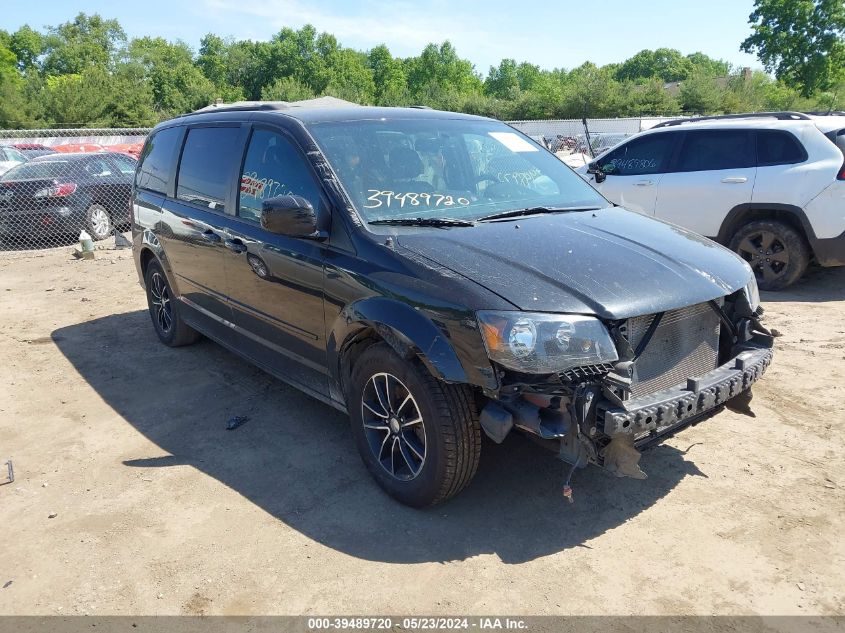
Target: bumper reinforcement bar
(660, 411)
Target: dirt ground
(158, 509)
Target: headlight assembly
(540, 343)
(752, 293)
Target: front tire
(776, 252)
(419, 437)
(164, 310)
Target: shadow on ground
(817, 285)
(296, 460)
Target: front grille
(685, 345)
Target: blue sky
(550, 34)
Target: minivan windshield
(461, 169)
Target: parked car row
(17, 153)
(770, 186)
(60, 194)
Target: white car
(769, 186)
(10, 157)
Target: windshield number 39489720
(378, 198)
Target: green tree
(78, 100)
(503, 80)
(390, 81)
(590, 92)
(650, 98)
(706, 65)
(287, 89)
(440, 78)
(667, 64)
(85, 42)
(801, 41)
(214, 61)
(701, 94)
(177, 85)
(28, 45)
(131, 102)
(351, 76)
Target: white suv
(769, 186)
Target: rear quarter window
(776, 147)
(156, 160)
(206, 168)
(838, 138)
(37, 170)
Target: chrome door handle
(644, 183)
(735, 180)
(210, 236)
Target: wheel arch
(151, 251)
(410, 333)
(744, 213)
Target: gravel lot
(159, 509)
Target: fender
(149, 243)
(734, 218)
(404, 328)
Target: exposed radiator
(684, 345)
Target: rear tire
(98, 222)
(776, 252)
(164, 310)
(419, 463)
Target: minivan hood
(611, 263)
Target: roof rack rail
(780, 116)
(242, 106)
(420, 107)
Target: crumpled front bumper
(659, 412)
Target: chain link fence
(577, 141)
(58, 186)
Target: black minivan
(434, 275)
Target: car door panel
(700, 200)
(635, 169)
(193, 224)
(715, 172)
(276, 281)
(635, 193)
(192, 241)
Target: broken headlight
(539, 343)
(752, 293)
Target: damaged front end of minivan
(630, 382)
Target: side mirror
(596, 171)
(290, 215)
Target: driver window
(273, 167)
(642, 156)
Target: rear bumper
(45, 221)
(661, 411)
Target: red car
(130, 149)
(79, 148)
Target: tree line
(87, 73)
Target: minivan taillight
(59, 190)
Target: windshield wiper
(422, 222)
(533, 211)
